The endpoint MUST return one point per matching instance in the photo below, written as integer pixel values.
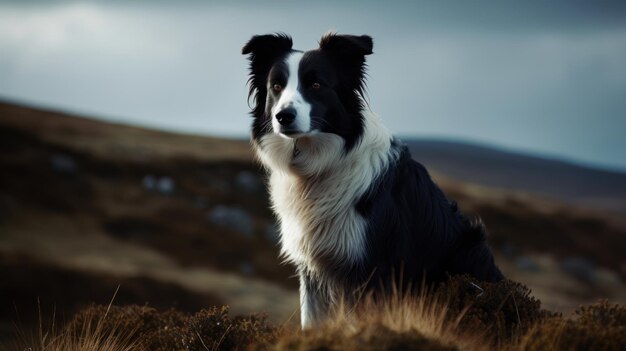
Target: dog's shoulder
(403, 180)
(413, 222)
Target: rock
(149, 182)
(246, 268)
(508, 250)
(199, 202)
(219, 185)
(165, 186)
(527, 264)
(63, 164)
(606, 277)
(580, 268)
(233, 218)
(249, 182)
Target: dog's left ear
(347, 46)
(348, 52)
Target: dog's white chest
(314, 193)
(318, 222)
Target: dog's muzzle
(286, 119)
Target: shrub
(171, 330)
(503, 311)
(597, 327)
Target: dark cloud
(541, 76)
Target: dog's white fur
(291, 97)
(314, 186)
(314, 192)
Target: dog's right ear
(267, 45)
(263, 51)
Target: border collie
(354, 208)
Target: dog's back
(411, 224)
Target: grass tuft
(88, 335)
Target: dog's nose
(286, 116)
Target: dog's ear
(263, 51)
(348, 52)
(268, 45)
(347, 46)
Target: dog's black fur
(412, 229)
(413, 226)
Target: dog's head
(304, 95)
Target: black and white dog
(354, 207)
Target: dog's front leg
(314, 305)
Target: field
(182, 221)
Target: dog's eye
(277, 88)
(316, 86)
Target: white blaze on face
(291, 97)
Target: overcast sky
(547, 77)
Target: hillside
(550, 178)
(183, 221)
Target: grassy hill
(183, 221)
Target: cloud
(539, 92)
(523, 76)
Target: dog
(355, 210)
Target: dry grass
(400, 321)
(457, 315)
(452, 316)
(90, 335)
(208, 329)
(139, 328)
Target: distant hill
(574, 184)
(116, 141)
